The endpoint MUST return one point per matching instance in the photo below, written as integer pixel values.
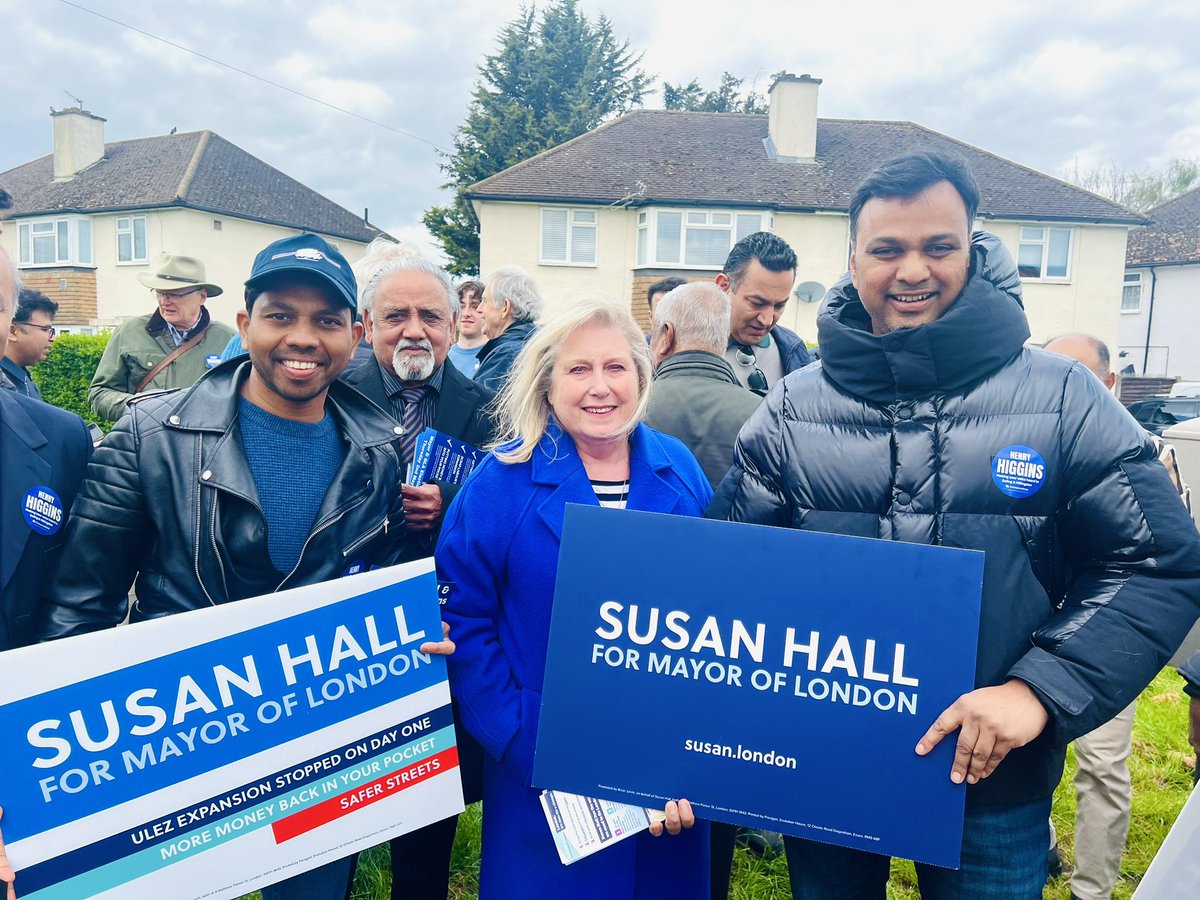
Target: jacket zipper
(383, 526)
(336, 517)
(200, 518)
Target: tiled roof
(197, 169)
(1174, 236)
(660, 156)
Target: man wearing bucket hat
(167, 349)
(249, 482)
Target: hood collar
(981, 331)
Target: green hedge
(63, 377)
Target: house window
(131, 239)
(1044, 252)
(568, 237)
(55, 242)
(697, 239)
(1131, 293)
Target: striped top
(611, 494)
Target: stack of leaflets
(439, 457)
(582, 825)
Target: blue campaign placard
(216, 751)
(776, 678)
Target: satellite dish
(810, 292)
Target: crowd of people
(237, 464)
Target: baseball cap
(306, 253)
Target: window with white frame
(1131, 293)
(55, 242)
(1044, 252)
(694, 238)
(131, 239)
(568, 237)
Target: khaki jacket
(137, 347)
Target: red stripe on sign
(342, 805)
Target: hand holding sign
(679, 816)
(993, 721)
(444, 647)
(6, 871)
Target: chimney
(792, 123)
(78, 141)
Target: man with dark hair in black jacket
(251, 481)
(906, 430)
(758, 277)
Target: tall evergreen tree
(551, 79)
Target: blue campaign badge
(1018, 471)
(212, 360)
(445, 589)
(355, 568)
(43, 510)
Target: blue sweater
(293, 464)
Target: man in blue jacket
(509, 309)
(906, 430)
(45, 452)
(758, 277)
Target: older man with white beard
(410, 312)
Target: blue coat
(499, 550)
(41, 447)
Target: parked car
(1159, 413)
(1185, 389)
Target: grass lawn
(1161, 765)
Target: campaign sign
(214, 752)
(775, 678)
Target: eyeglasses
(172, 295)
(756, 380)
(48, 329)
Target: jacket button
(904, 498)
(174, 420)
(904, 412)
(206, 474)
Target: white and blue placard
(210, 753)
(775, 678)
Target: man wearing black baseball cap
(280, 450)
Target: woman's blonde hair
(523, 406)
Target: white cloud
(1101, 80)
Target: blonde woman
(571, 419)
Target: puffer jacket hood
(984, 329)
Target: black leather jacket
(1090, 583)
(169, 498)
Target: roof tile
(1174, 236)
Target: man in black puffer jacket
(929, 421)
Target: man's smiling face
(910, 256)
(300, 338)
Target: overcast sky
(1097, 83)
